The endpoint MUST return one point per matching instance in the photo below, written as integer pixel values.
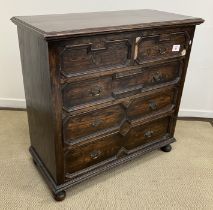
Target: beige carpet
(181, 179)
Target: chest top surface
(58, 25)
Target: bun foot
(166, 148)
(60, 196)
(34, 162)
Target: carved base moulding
(56, 189)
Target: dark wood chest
(101, 88)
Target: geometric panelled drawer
(101, 88)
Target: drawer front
(94, 122)
(109, 148)
(93, 54)
(131, 82)
(152, 103)
(111, 118)
(148, 133)
(87, 154)
(91, 91)
(119, 85)
(161, 46)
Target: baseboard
(195, 113)
(12, 103)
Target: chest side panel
(39, 98)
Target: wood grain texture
(50, 26)
(154, 102)
(57, 112)
(160, 46)
(37, 84)
(119, 85)
(90, 123)
(100, 93)
(73, 179)
(95, 54)
(125, 84)
(78, 93)
(114, 146)
(116, 117)
(182, 81)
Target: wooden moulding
(57, 188)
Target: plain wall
(197, 97)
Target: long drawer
(111, 118)
(115, 145)
(119, 85)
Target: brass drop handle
(95, 154)
(93, 49)
(148, 134)
(152, 105)
(96, 123)
(95, 91)
(157, 77)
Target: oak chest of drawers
(101, 88)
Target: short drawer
(161, 46)
(87, 92)
(87, 54)
(152, 103)
(114, 146)
(145, 134)
(86, 154)
(119, 85)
